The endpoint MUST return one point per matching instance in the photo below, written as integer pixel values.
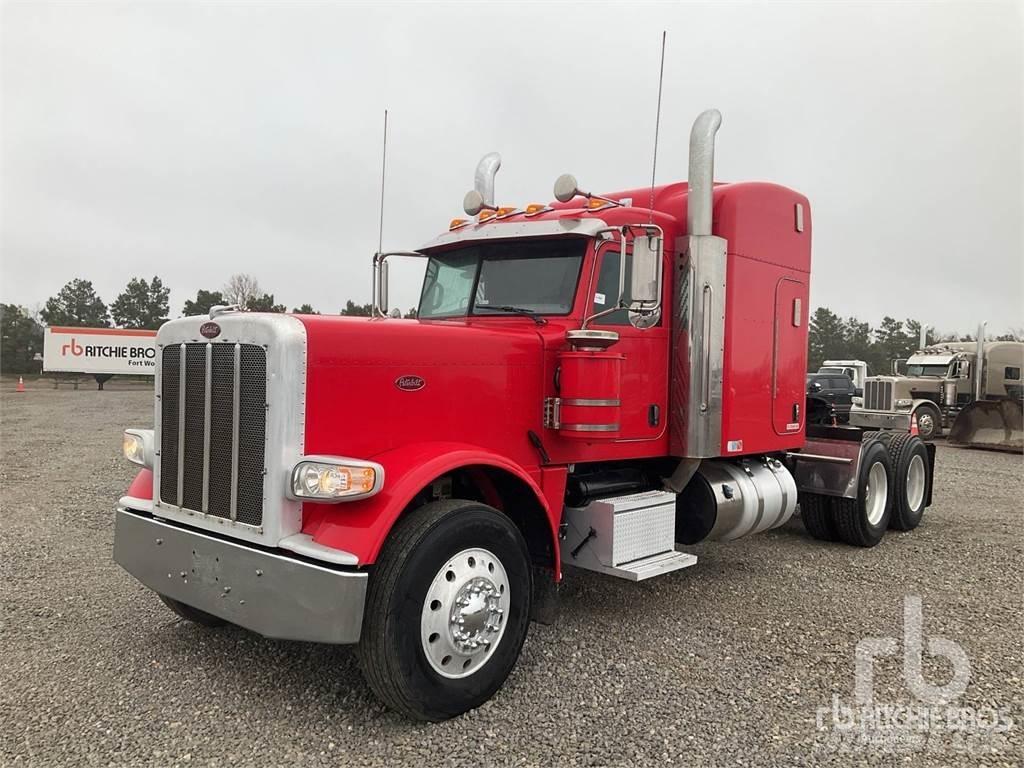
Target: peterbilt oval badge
(410, 383)
(210, 330)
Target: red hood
(481, 383)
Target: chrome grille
(213, 429)
(878, 395)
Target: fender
(360, 527)
(139, 495)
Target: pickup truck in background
(835, 390)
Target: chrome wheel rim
(464, 613)
(915, 483)
(925, 423)
(876, 493)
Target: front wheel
(929, 422)
(447, 610)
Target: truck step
(654, 565)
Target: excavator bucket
(996, 425)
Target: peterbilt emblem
(210, 330)
(410, 383)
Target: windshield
(917, 369)
(488, 279)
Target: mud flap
(930, 448)
(545, 607)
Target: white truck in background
(857, 370)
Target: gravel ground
(727, 662)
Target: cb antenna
(383, 170)
(657, 125)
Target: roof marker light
(456, 223)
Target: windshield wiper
(518, 310)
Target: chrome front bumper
(271, 594)
(880, 419)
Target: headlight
(137, 446)
(330, 478)
(904, 403)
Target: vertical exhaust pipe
(979, 363)
(700, 193)
(698, 327)
(483, 179)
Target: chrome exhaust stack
(979, 363)
(698, 328)
(483, 179)
(700, 181)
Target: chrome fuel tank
(729, 499)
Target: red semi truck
(596, 382)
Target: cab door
(644, 411)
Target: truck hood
(912, 386)
(373, 385)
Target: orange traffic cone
(913, 425)
(21, 385)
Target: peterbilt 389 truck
(598, 383)
(972, 389)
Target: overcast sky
(193, 141)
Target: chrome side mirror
(566, 188)
(473, 202)
(645, 282)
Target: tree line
(143, 304)
(831, 337)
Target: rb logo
(76, 348)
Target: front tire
(929, 422)
(861, 522)
(447, 610)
